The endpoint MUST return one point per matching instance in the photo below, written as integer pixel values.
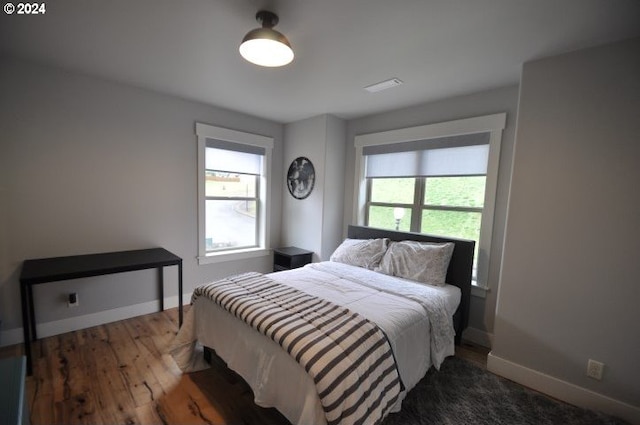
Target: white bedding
(279, 381)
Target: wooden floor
(119, 373)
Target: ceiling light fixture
(266, 46)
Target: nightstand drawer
(290, 258)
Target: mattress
(410, 315)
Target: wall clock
(301, 177)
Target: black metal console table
(64, 268)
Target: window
(438, 179)
(232, 193)
(232, 187)
(449, 206)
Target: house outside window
(233, 178)
(438, 179)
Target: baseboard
(56, 327)
(171, 302)
(11, 337)
(477, 336)
(562, 390)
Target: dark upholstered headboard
(460, 266)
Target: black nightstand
(290, 257)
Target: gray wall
(570, 284)
(315, 223)
(333, 204)
(92, 166)
(484, 103)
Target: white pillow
(423, 262)
(365, 253)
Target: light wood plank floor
(119, 373)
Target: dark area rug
(462, 393)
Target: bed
(406, 314)
(459, 272)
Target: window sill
(478, 290)
(241, 254)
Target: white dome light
(266, 46)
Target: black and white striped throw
(348, 357)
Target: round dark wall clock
(301, 177)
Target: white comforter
(416, 319)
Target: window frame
(492, 124)
(204, 132)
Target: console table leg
(32, 313)
(161, 286)
(180, 294)
(26, 324)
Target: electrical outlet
(595, 369)
(72, 300)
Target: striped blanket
(348, 357)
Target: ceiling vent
(383, 85)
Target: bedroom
(93, 165)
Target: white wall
(315, 223)
(94, 166)
(483, 103)
(570, 283)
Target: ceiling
(189, 48)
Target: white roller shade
(232, 157)
(430, 158)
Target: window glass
(466, 191)
(458, 224)
(390, 218)
(393, 190)
(230, 224)
(231, 201)
(229, 185)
